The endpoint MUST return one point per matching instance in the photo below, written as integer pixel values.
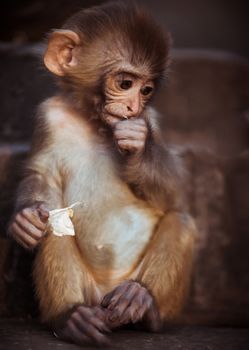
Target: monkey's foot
(130, 302)
(85, 325)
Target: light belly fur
(119, 242)
(112, 227)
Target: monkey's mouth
(106, 116)
(118, 116)
(116, 110)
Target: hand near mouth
(130, 135)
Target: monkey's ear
(59, 56)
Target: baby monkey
(98, 142)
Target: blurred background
(215, 24)
(205, 109)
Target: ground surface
(23, 335)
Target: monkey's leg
(161, 284)
(67, 292)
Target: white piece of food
(59, 221)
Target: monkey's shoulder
(62, 122)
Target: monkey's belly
(120, 241)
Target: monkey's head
(111, 56)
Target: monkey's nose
(129, 112)
(132, 108)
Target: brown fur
(131, 226)
(111, 33)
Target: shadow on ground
(25, 335)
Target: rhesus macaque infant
(99, 143)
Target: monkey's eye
(146, 90)
(125, 84)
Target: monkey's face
(118, 45)
(126, 94)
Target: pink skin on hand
(29, 225)
(130, 302)
(129, 134)
(86, 325)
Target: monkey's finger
(148, 300)
(141, 304)
(119, 310)
(112, 296)
(22, 243)
(89, 315)
(21, 236)
(137, 312)
(43, 213)
(131, 144)
(107, 298)
(111, 120)
(123, 303)
(129, 132)
(140, 121)
(85, 326)
(29, 228)
(134, 121)
(132, 314)
(100, 325)
(129, 135)
(130, 125)
(100, 313)
(125, 294)
(76, 335)
(114, 300)
(32, 216)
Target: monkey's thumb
(43, 213)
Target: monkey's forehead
(125, 66)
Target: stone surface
(12, 156)
(16, 286)
(30, 336)
(205, 102)
(219, 291)
(205, 110)
(219, 23)
(23, 84)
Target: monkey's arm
(156, 176)
(39, 191)
(154, 171)
(35, 189)
(42, 182)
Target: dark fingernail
(103, 303)
(113, 318)
(106, 329)
(134, 317)
(110, 307)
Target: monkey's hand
(28, 226)
(130, 302)
(85, 325)
(131, 134)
